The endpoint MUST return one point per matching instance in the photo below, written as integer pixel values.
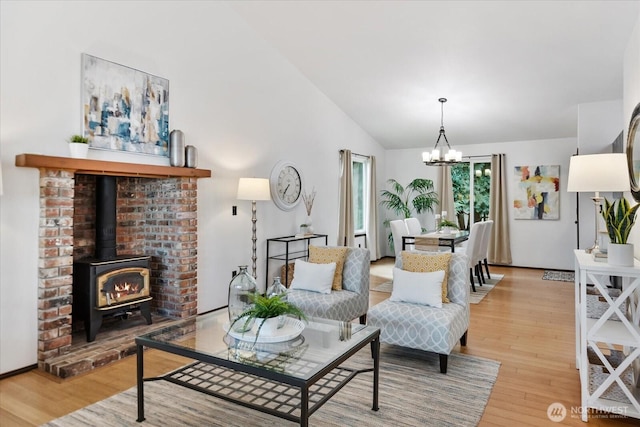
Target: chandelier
(435, 158)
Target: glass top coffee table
(290, 379)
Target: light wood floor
(526, 323)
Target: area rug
(474, 297)
(483, 291)
(412, 392)
(558, 276)
(384, 271)
(384, 287)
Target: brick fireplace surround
(156, 210)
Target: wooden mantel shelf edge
(103, 167)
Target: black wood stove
(107, 284)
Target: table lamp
(254, 189)
(596, 173)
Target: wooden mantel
(103, 167)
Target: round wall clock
(286, 185)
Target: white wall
(631, 98)
(542, 244)
(631, 74)
(236, 99)
(599, 124)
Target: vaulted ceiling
(511, 70)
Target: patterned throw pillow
(325, 255)
(426, 263)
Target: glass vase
(241, 287)
(277, 288)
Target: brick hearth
(116, 341)
(156, 217)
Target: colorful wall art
(124, 109)
(537, 192)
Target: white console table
(603, 333)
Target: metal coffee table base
(295, 401)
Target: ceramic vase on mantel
(620, 255)
(176, 148)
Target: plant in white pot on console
(78, 146)
(619, 218)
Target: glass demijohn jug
(277, 288)
(241, 287)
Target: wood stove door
(122, 285)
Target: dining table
(436, 238)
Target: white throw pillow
(418, 288)
(313, 277)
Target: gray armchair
(427, 328)
(347, 304)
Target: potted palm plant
(266, 312)
(418, 196)
(619, 218)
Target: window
(481, 189)
(359, 194)
(471, 187)
(461, 193)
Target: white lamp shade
(598, 172)
(254, 189)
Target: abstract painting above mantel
(537, 194)
(124, 109)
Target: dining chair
(413, 225)
(486, 238)
(398, 229)
(414, 228)
(474, 253)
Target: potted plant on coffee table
(266, 313)
(619, 218)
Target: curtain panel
(499, 242)
(445, 190)
(372, 212)
(346, 228)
